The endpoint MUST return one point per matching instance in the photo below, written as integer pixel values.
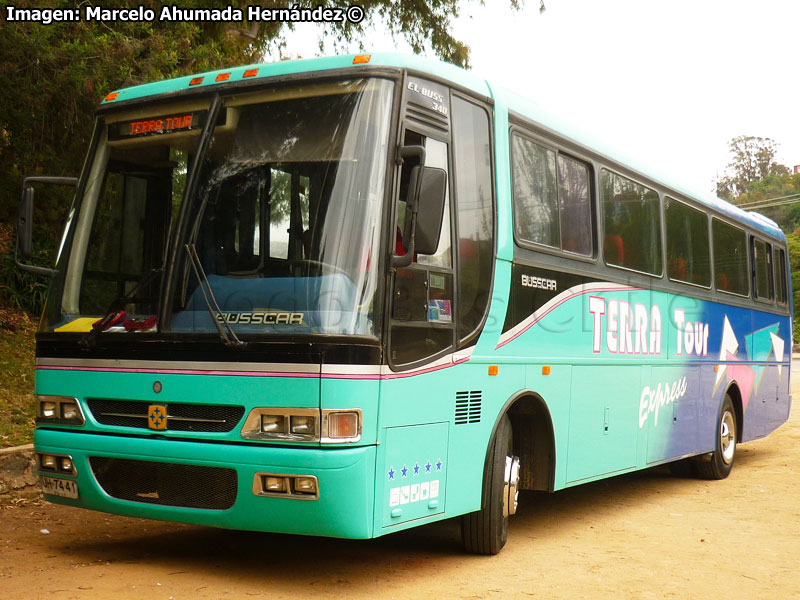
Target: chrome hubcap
(727, 436)
(511, 486)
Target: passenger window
(730, 258)
(762, 269)
(779, 264)
(535, 193)
(632, 224)
(688, 248)
(552, 198)
(575, 206)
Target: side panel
(649, 368)
(603, 431)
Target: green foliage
(776, 186)
(17, 408)
(20, 290)
(752, 159)
(793, 242)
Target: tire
(486, 531)
(719, 463)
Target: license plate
(56, 486)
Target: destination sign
(156, 125)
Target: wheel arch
(533, 440)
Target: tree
(785, 187)
(52, 76)
(753, 158)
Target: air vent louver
(468, 407)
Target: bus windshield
(284, 221)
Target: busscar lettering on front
(261, 318)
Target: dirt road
(645, 535)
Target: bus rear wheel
(486, 531)
(719, 463)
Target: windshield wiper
(114, 315)
(229, 338)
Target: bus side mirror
(25, 224)
(24, 246)
(430, 212)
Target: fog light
(48, 461)
(275, 484)
(47, 409)
(70, 411)
(65, 464)
(273, 424)
(303, 424)
(305, 485)
(343, 425)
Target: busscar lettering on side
(541, 283)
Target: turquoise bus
(348, 296)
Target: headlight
(329, 426)
(286, 485)
(58, 410)
(56, 463)
(283, 424)
(273, 424)
(304, 424)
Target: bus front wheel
(486, 531)
(719, 463)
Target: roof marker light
(196, 81)
(112, 96)
(223, 77)
(361, 59)
(250, 73)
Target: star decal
(428, 467)
(404, 471)
(416, 469)
(391, 473)
(439, 464)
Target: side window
(762, 269)
(779, 264)
(730, 258)
(552, 198)
(473, 184)
(632, 224)
(422, 311)
(575, 206)
(533, 169)
(688, 248)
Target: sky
(667, 82)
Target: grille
(180, 417)
(468, 407)
(188, 486)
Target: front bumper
(345, 477)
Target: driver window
(422, 312)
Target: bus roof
(465, 79)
